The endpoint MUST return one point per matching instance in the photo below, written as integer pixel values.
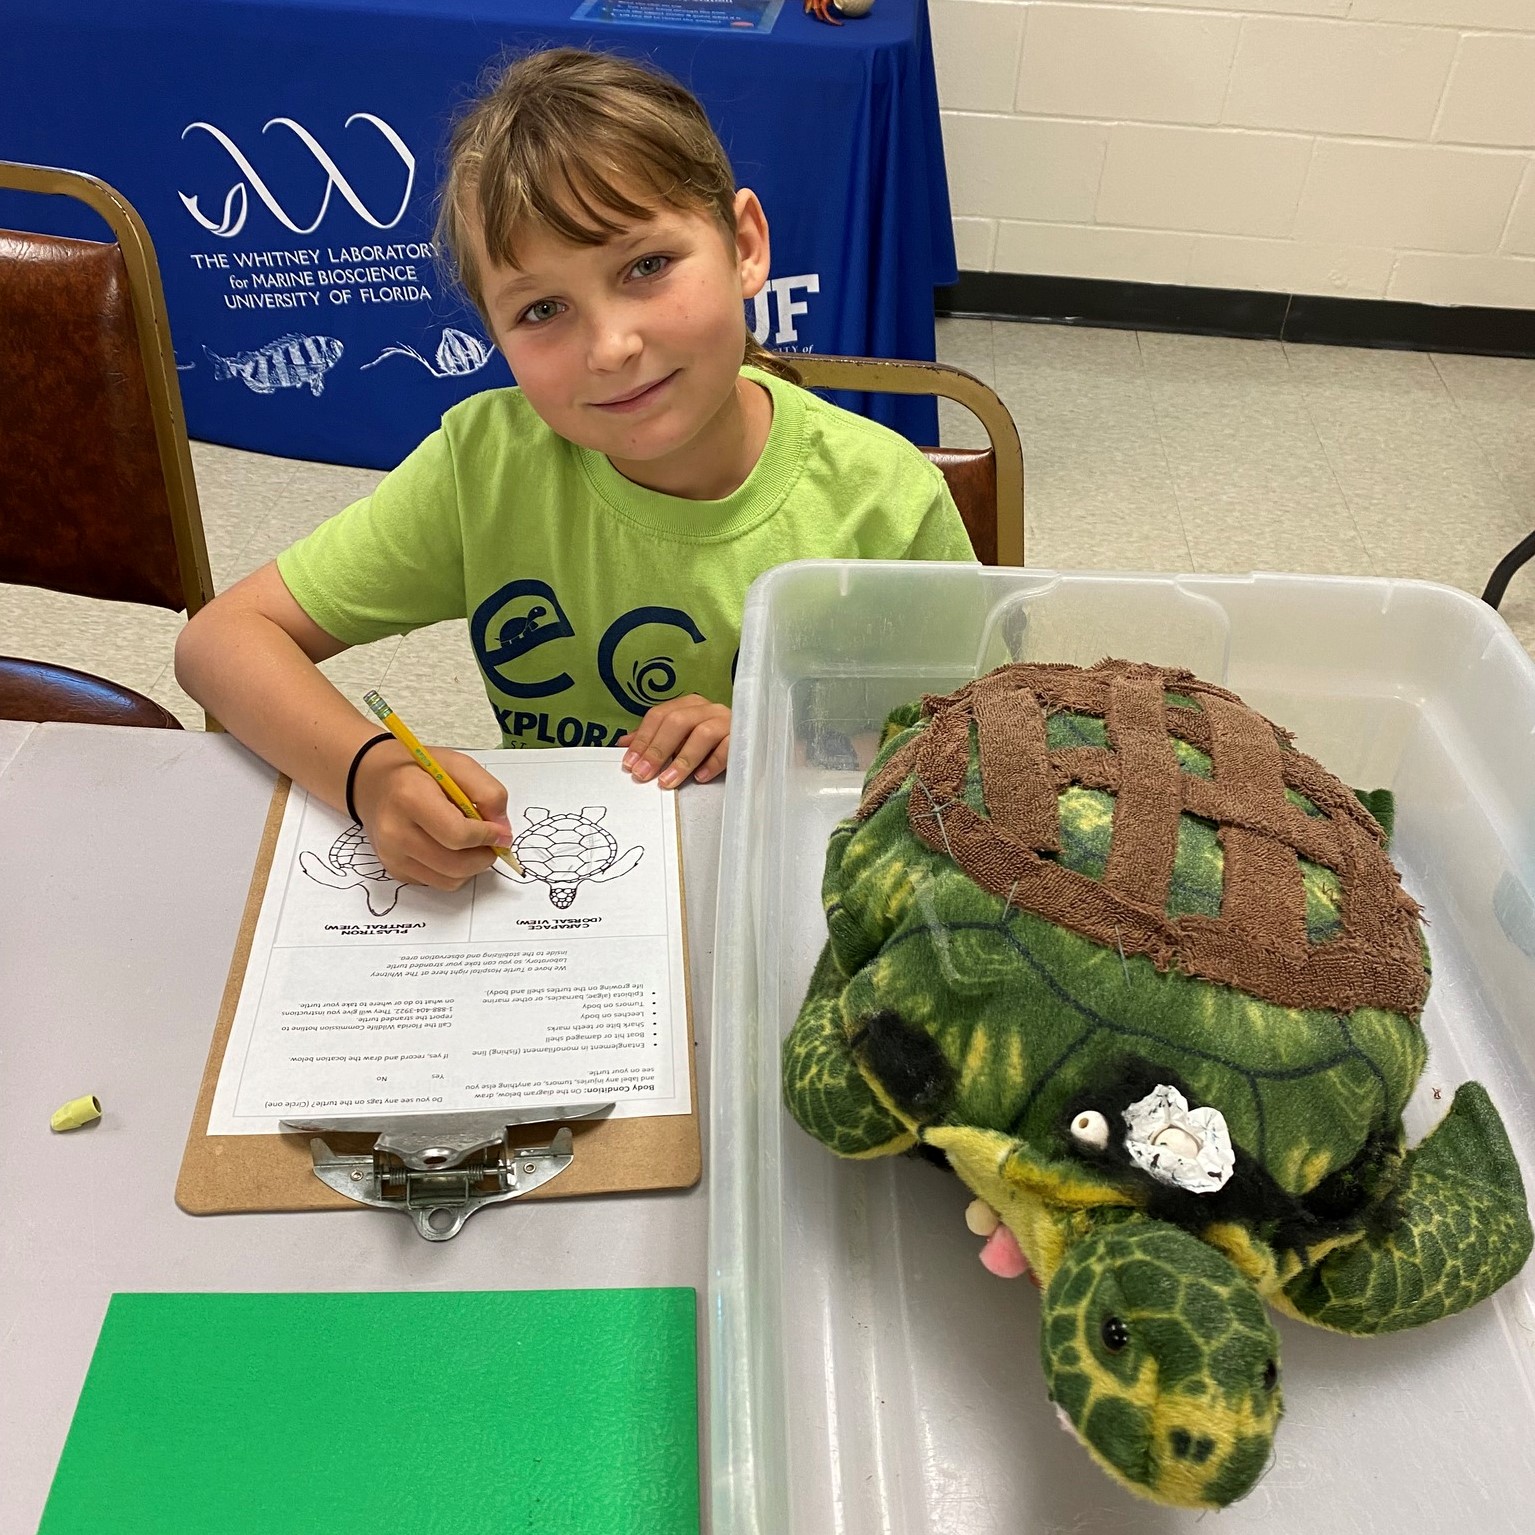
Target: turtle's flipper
(620, 865)
(822, 1085)
(382, 894)
(1462, 1229)
(322, 873)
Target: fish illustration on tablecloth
(458, 354)
(286, 363)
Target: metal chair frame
(878, 376)
(1517, 557)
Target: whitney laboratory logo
(237, 199)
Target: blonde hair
(578, 143)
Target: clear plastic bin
(867, 1375)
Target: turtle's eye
(1270, 1375)
(1115, 1334)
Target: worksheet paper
(366, 996)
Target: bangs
(579, 202)
(582, 146)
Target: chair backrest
(986, 483)
(97, 496)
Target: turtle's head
(1159, 1354)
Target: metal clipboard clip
(440, 1168)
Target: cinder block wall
(1369, 148)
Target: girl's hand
(421, 836)
(682, 736)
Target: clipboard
(248, 1174)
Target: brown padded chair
(986, 483)
(96, 490)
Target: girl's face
(631, 348)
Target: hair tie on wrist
(351, 772)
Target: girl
(599, 524)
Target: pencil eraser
(79, 1111)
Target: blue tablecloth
(285, 156)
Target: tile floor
(1142, 452)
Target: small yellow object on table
(77, 1112)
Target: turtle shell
(352, 853)
(565, 848)
(1069, 879)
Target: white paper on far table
(363, 996)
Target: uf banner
(292, 203)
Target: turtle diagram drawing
(563, 849)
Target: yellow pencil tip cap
(80, 1111)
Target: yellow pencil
(407, 738)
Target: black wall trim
(1241, 312)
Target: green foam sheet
(509, 1411)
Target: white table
(125, 857)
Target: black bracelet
(351, 772)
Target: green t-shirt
(590, 598)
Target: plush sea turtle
(350, 860)
(1144, 977)
(564, 850)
